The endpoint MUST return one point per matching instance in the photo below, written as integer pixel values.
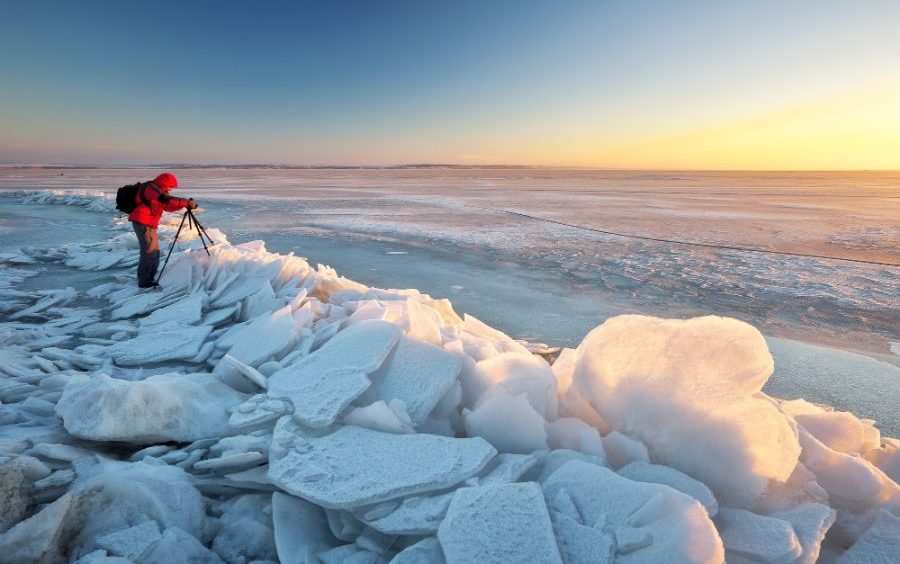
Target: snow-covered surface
(166, 407)
(688, 388)
(506, 523)
(354, 467)
(257, 408)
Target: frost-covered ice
(507, 523)
(658, 474)
(167, 407)
(259, 408)
(320, 386)
(418, 374)
(353, 466)
(659, 523)
(878, 544)
(301, 529)
(757, 537)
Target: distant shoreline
(420, 166)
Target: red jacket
(157, 202)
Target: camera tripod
(191, 221)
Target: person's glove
(191, 204)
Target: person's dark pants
(149, 261)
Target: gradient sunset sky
(614, 84)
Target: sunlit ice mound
(690, 391)
(305, 417)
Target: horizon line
(410, 166)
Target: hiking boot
(150, 285)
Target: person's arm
(151, 197)
(171, 204)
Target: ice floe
(354, 466)
(167, 407)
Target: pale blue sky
(370, 82)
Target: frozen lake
(546, 255)
(509, 243)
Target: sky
(653, 84)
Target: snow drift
(258, 408)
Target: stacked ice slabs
(257, 409)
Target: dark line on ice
(692, 243)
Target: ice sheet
(506, 277)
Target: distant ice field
(590, 236)
(547, 255)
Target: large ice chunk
(322, 384)
(849, 480)
(255, 344)
(167, 407)
(519, 372)
(810, 521)
(184, 312)
(678, 526)
(879, 544)
(502, 524)
(838, 430)
(354, 466)
(757, 537)
(565, 432)
(621, 449)
(159, 344)
(52, 298)
(508, 422)
(248, 371)
(688, 389)
(36, 539)
(131, 305)
(580, 544)
(301, 529)
(417, 373)
(130, 542)
(110, 498)
(16, 479)
(238, 289)
(657, 474)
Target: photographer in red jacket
(152, 200)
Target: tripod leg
(202, 241)
(201, 229)
(202, 232)
(171, 247)
(192, 219)
(208, 238)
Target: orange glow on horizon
(851, 130)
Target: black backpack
(126, 197)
